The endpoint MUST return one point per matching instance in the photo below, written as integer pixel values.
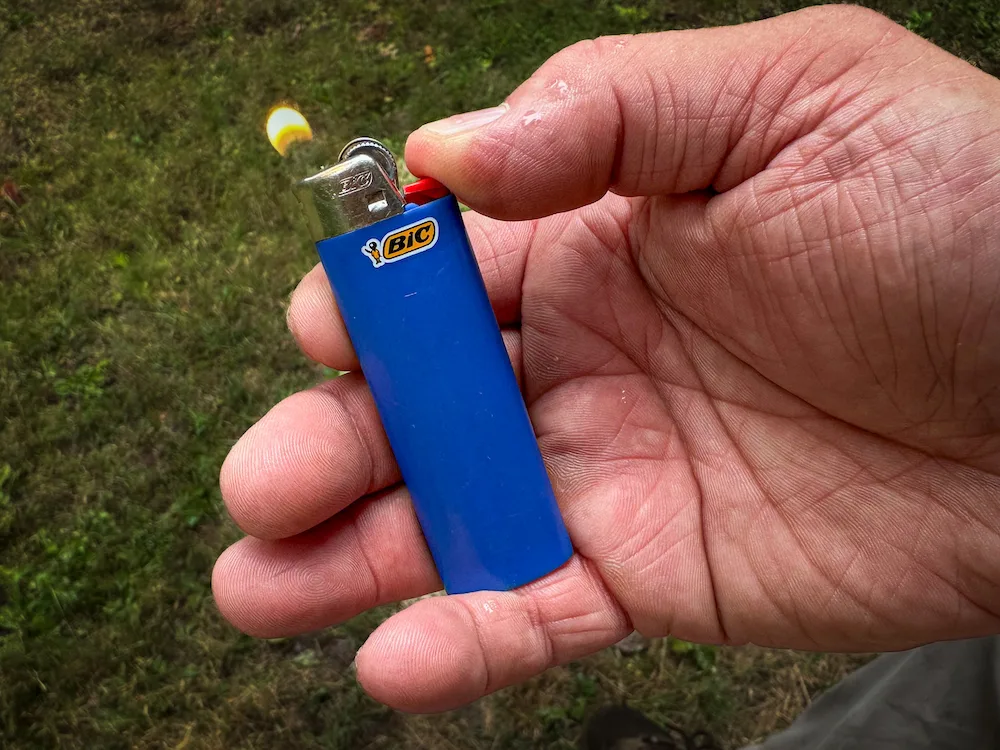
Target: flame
(286, 126)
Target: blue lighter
(412, 297)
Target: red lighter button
(424, 191)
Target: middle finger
(309, 457)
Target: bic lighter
(415, 306)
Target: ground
(148, 245)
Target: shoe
(624, 728)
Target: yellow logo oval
(402, 242)
(410, 239)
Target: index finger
(501, 249)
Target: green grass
(142, 294)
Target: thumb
(651, 114)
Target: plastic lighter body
(416, 309)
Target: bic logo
(402, 243)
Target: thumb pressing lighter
(412, 297)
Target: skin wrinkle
(797, 201)
(828, 493)
(673, 385)
(772, 113)
(790, 318)
(493, 256)
(954, 156)
(836, 240)
(713, 116)
(502, 149)
(638, 351)
(377, 588)
(840, 583)
(636, 49)
(979, 344)
(906, 145)
(471, 617)
(541, 627)
(587, 325)
(792, 611)
(739, 122)
(624, 422)
(804, 548)
(654, 161)
(599, 366)
(923, 196)
(960, 595)
(720, 623)
(850, 311)
(760, 314)
(620, 179)
(835, 234)
(844, 93)
(960, 511)
(788, 524)
(700, 488)
(352, 419)
(937, 383)
(641, 571)
(789, 321)
(614, 175)
(812, 258)
(962, 320)
(974, 215)
(927, 209)
(652, 279)
(927, 531)
(742, 122)
(755, 273)
(591, 572)
(681, 105)
(841, 138)
(922, 461)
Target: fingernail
(466, 121)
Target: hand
(763, 368)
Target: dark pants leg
(945, 696)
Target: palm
(718, 504)
(765, 389)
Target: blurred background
(148, 246)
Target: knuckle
(579, 67)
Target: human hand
(762, 369)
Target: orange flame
(286, 126)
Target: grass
(142, 331)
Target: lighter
(412, 297)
